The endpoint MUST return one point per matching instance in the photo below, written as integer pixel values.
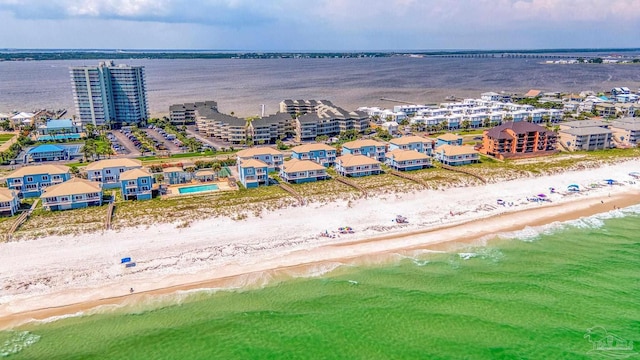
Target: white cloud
(354, 24)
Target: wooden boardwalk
(463, 171)
(293, 193)
(409, 177)
(20, 220)
(344, 180)
(110, 208)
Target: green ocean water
(532, 296)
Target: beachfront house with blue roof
(58, 129)
(416, 143)
(47, 152)
(302, 171)
(72, 194)
(136, 184)
(9, 202)
(253, 173)
(30, 181)
(108, 171)
(448, 139)
(407, 160)
(322, 154)
(370, 148)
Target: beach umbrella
(610, 181)
(542, 195)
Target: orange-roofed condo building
(108, 171)
(518, 139)
(407, 160)
(301, 171)
(270, 156)
(30, 181)
(322, 154)
(9, 202)
(371, 148)
(72, 194)
(357, 165)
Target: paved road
(156, 135)
(124, 141)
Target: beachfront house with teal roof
(47, 152)
(108, 171)
(448, 139)
(9, 202)
(253, 173)
(322, 154)
(30, 181)
(370, 148)
(357, 165)
(270, 156)
(72, 194)
(455, 155)
(175, 175)
(407, 160)
(58, 129)
(301, 171)
(416, 143)
(136, 184)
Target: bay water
(557, 292)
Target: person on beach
(131, 291)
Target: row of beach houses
(309, 162)
(59, 190)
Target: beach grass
(240, 204)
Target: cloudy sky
(281, 25)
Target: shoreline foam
(237, 261)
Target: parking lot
(121, 144)
(163, 139)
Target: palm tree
(216, 167)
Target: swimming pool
(197, 189)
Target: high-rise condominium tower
(109, 94)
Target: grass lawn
(6, 137)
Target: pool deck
(223, 185)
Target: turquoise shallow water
(530, 297)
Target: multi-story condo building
(320, 117)
(301, 107)
(626, 131)
(518, 139)
(357, 165)
(301, 171)
(407, 160)
(221, 126)
(9, 202)
(369, 148)
(185, 114)
(72, 194)
(322, 154)
(417, 143)
(586, 138)
(270, 128)
(30, 181)
(110, 94)
(269, 156)
(108, 171)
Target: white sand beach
(55, 276)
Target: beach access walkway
(409, 177)
(344, 180)
(20, 220)
(110, 208)
(463, 171)
(293, 193)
